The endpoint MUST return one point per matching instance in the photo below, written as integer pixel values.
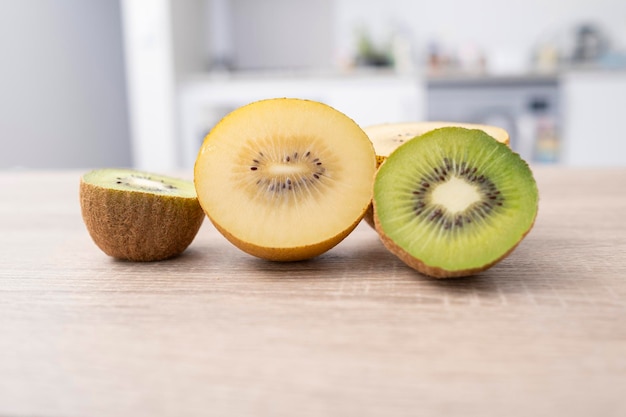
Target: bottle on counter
(546, 146)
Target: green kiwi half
(139, 216)
(453, 202)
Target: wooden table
(352, 333)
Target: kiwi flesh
(285, 179)
(139, 216)
(453, 202)
(386, 137)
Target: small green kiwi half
(139, 216)
(453, 202)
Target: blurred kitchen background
(140, 82)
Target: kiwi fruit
(453, 202)
(386, 137)
(139, 216)
(285, 179)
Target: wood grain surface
(351, 333)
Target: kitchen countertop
(353, 332)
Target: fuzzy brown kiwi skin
(433, 271)
(139, 226)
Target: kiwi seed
(297, 171)
(488, 195)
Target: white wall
(275, 34)
(62, 88)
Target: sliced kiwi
(285, 179)
(453, 202)
(387, 137)
(139, 216)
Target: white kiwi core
(455, 195)
(286, 169)
(147, 183)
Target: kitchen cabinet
(573, 118)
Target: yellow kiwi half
(285, 179)
(139, 216)
(387, 137)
